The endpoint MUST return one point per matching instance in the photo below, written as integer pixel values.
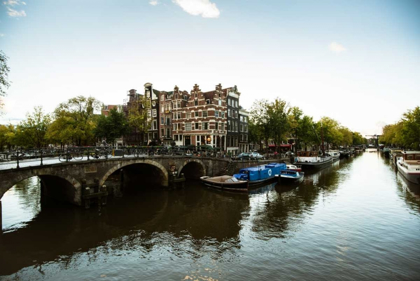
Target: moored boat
(260, 174)
(292, 167)
(409, 166)
(335, 154)
(310, 160)
(289, 176)
(225, 182)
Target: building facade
(196, 118)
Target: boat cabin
(307, 153)
(411, 157)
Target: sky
(356, 61)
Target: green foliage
(111, 127)
(278, 120)
(259, 118)
(7, 136)
(405, 133)
(32, 131)
(358, 139)
(75, 121)
(411, 128)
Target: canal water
(358, 220)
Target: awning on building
(281, 145)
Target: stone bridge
(65, 181)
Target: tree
(111, 127)
(4, 76)
(139, 116)
(31, 132)
(75, 121)
(259, 117)
(358, 139)
(278, 120)
(411, 128)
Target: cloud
(13, 2)
(14, 13)
(199, 7)
(1, 35)
(337, 48)
(153, 2)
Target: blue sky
(355, 61)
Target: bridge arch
(73, 184)
(119, 166)
(194, 162)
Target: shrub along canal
(357, 220)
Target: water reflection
(21, 204)
(334, 218)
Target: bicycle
(65, 157)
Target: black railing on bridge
(40, 156)
(96, 153)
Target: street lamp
(208, 140)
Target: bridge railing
(39, 157)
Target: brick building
(196, 118)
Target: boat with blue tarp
(260, 174)
(290, 176)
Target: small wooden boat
(289, 176)
(225, 182)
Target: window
(216, 126)
(180, 137)
(207, 101)
(196, 114)
(162, 97)
(206, 126)
(220, 102)
(154, 113)
(196, 126)
(162, 132)
(223, 114)
(229, 113)
(176, 137)
(204, 113)
(216, 114)
(229, 102)
(168, 121)
(175, 125)
(154, 125)
(187, 126)
(162, 120)
(188, 115)
(149, 113)
(229, 125)
(179, 115)
(195, 102)
(168, 132)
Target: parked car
(289, 154)
(256, 155)
(242, 156)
